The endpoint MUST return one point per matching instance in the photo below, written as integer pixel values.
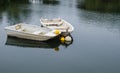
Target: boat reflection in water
(50, 44)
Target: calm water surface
(95, 47)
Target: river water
(95, 47)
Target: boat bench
(38, 32)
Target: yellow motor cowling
(57, 32)
(62, 39)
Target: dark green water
(100, 5)
(95, 47)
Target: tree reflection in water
(15, 9)
(30, 1)
(100, 5)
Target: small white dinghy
(58, 24)
(32, 32)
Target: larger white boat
(58, 24)
(32, 32)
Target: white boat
(58, 24)
(32, 32)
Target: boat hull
(30, 35)
(27, 36)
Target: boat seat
(17, 27)
(52, 22)
(37, 32)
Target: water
(95, 47)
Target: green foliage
(102, 5)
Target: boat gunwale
(7, 28)
(58, 27)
